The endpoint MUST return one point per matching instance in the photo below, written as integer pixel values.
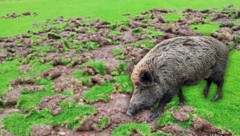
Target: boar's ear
(146, 78)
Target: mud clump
(53, 36)
(180, 116)
(224, 34)
(42, 130)
(15, 15)
(187, 109)
(11, 97)
(173, 129)
(116, 111)
(5, 133)
(64, 83)
(52, 73)
(53, 103)
(99, 79)
(89, 71)
(200, 124)
(25, 68)
(21, 81)
(19, 85)
(238, 47)
(104, 54)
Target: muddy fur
(174, 63)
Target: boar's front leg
(182, 100)
(206, 89)
(167, 97)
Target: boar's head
(146, 90)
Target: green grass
(29, 101)
(125, 83)
(128, 128)
(223, 113)
(43, 49)
(91, 45)
(146, 43)
(100, 67)
(10, 70)
(102, 122)
(72, 116)
(205, 29)
(118, 54)
(97, 93)
(167, 118)
(153, 32)
(81, 77)
(173, 17)
(110, 10)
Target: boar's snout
(132, 110)
(129, 113)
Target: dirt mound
(172, 129)
(53, 103)
(17, 87)
(180, 116)
(115, 110)
(15, 15)
(104, 54)
(203, 127)
(99, 79)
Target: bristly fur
(184, 60)
(181, 61)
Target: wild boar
(172, 64)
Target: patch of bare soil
(78, 31)
(53, 103)
(15, 15)
(62, 77)
(180, 116)
(115, 109)
(17, 87)
(99, 79)
(5, 133)
(172, 129)
(25, 68)
(7, 111)
(104, 54)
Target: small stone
(62, 133)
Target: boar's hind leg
(166, 99)
(206, 89)
(219, 83)
(181, 98)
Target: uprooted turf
(109, 10)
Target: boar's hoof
(155, 115)
(217, 97)
(182, 103)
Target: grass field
(223, 114)
(106, 9)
